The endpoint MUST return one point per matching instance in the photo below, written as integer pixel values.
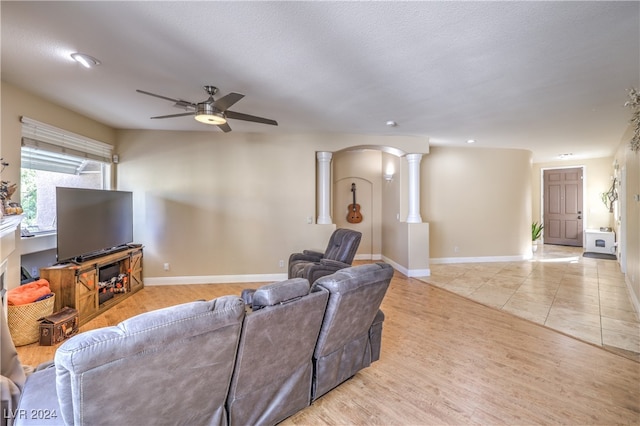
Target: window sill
(38, 243)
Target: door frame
(584, 191)
(621, 219)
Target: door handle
(579, 217)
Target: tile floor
(583, 297)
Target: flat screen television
(92, 222)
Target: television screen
(91, 221)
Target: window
(52, 157)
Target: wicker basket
(23, 320)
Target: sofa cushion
(39, 401)
(280, 292)
(163, 365)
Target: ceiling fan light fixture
(207, 115)
(85, 60)
(211, 119)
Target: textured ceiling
(547, 76)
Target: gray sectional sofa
(217, 362)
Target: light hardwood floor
(447, 360)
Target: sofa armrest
(307, 256)
(247, 296)
(313, 271)
(313, 253)
(333, 265)
(298, 261)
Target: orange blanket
(28, 293)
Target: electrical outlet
(167, 266)
(34, 272)
(456, 249)
(281, 263)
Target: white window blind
(45, 147)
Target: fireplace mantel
(9, 224)
(8, 227)
(9, 265)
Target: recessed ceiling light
(471, 141)
(85, 60)
(565, 156)
(392, 123)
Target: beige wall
(405, 245)
(214, 204)
(393, 236)
(362, 167)
(598, 174)
(219, 204)
(207, 203)
(16, 103)
(478, 203)
(629, 165)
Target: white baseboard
(215, 279)
(368, 257)
(226, 279)
(259, 278)
(484, 259)
(405, 271)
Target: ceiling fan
(212, 111)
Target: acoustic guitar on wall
(354, 215)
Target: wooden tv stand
(77, 284)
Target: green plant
(609, 197)
(28, 197)
(536, 230)
(634, 104)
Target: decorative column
(324, 188)
(414, 188)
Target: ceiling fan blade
(224, 127)
(247, 117)
(175, 115)
(178, 101)
(184, 105)
(226, 101)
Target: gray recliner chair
(351, 330)
(274, 370)
(341, 250)
(168, 366)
